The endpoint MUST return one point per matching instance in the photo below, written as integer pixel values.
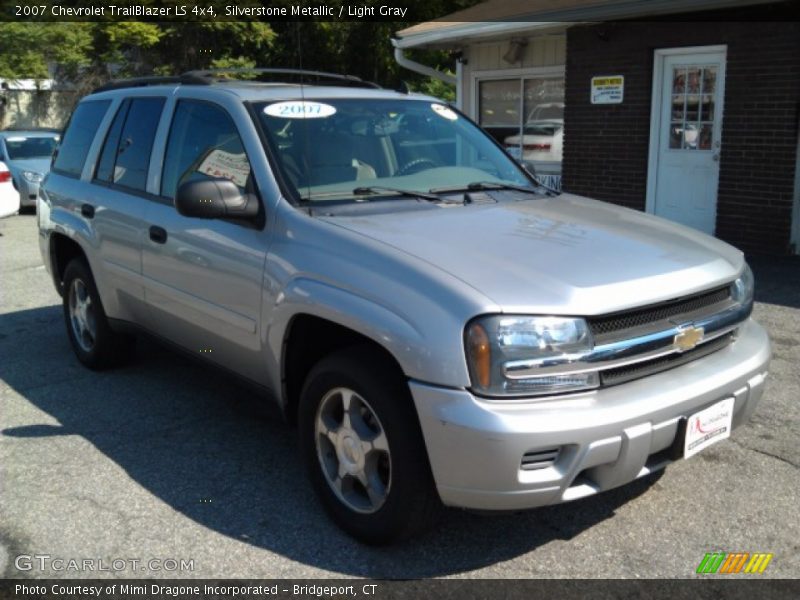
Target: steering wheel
(416, 165)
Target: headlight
(744, 286)
(504, 353)
(32, 176)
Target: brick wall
(606, 146)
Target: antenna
(303, 100)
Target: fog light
(553, 383)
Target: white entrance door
(683, 173)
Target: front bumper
(605, 438)
(27, 192)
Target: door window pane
(136, 143)
(710, 80)
(203, 144)
(706, 135)
(692, 107)
(78, 138)
(105, 166)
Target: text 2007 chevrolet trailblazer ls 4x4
(441, 328)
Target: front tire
(363, 448)
(95, 344)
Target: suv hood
(557, 255)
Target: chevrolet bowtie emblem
(688, 338)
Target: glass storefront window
(526, 115)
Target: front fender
(427, 349)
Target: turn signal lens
(480, 354)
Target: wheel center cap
(350, 450)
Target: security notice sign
(607, 89)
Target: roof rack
(118, 84)
(210, 76)
(317, 76)
(13, 128)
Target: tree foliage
(88, 53)
(28, 50)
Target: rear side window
(125, 158)
(203, 144)
(105, 166)
(78, 137)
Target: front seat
(330, 162)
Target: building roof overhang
(500, 18)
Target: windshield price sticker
(444, 111)
(300, 109)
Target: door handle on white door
(715, 157)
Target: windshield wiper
(483, 186)
(377, 189)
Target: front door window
(691, 124)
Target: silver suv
(442, 329)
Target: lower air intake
(539, 459)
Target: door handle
(158, 234)
(87, 210)
(715, 157)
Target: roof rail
(347, 80)
(31, 129)
(118, 84)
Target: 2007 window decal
(300, 109)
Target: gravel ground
(165, 459)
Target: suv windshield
(21, 147)
(339, 149)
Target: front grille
(608, 326)
(649, 367)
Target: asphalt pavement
(165, 462)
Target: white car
(9, 197)
(542, 139)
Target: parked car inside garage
(542, 139)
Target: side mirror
(215, 199)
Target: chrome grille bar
(630, 351)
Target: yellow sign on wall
(607, 89)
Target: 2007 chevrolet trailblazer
(441, 328)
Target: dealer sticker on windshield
(444, 111)
(300, 109)
(708, 427)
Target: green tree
(28, 50)
(88, 54)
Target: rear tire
(95, 344)
(363, 448)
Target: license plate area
(703, 428)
